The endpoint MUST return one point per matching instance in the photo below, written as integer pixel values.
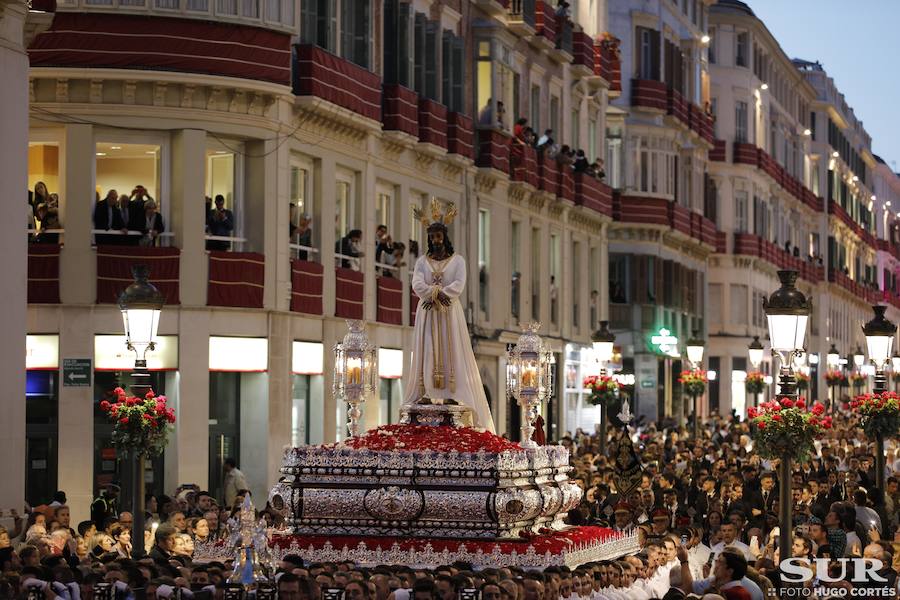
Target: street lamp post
(755, 352)
(695, 347)
(603, 341)
(787, 312)
(879, 334)
(141, 304)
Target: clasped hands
(442, 299)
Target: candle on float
(354, 371)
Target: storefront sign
(76, 372)
(307, 358)
(111, 354)
(665, 342)
(238, 354)
(42, 352)
(648, 383)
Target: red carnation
(818, 409)
(776, 417)
(751, 412)
(104, 405)
(787, 403)
(761, 424)
(800, 403)
(150, 394)
(124, 420)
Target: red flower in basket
(140, 425)
(785, 427)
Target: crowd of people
(705, 513)
(122, 214)
(389, 255)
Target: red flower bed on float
(420, 438)
(546, 541)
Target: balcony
(348, 290)
(744, 154)
(566, 188)
(838, 212)
(43, 273)
(307, 279)
(272, 14)
(493, 150)
(322, 75)
(116, 37)
(401, 110)
(545, 21)
(235, 279)
(648, 93)
(593, 194)
(432, 123)
(676, 105)
(565, 32)
(608, 64)
(717, 154)
(389, 298)
(583, 55)
(548, 174)
(460, 135)
(645, 210)
(523, 17)
(523, 164)
(114, 265)
(857, 289)
(749, 244)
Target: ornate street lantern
(787, 311)
(695, 347)
(833, 358)
(859, 359)
(879, 334)
(529, 378)
(355, 372)
(755, 350)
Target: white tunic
(453, 351)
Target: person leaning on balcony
(545, 141)
(581, 163)
(348, 248)
(151, 225)
(485, 115)
(219, 222)
(49, 219)
(108, 216)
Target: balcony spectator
(486, 114)
(565, 157)
(302, 232)
(136, 201)
(529, 136)
(384, 246)
(108, 216)
(149, 223)
(501, 115)
(519, 129)
(394, 258)
(30, 214)
(49, 220)
(414, 249)
(797, 251)
(40, 196)
(581, 164)
(349, 249)
(562, 9)
(219, 222)
(208, 205)
(545, 142)
(597, 170)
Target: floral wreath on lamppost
(802, 381)
(785, 426)
(693, 381)
(755, 383)
(604, 390)
(857, 380)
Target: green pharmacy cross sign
(665, 342)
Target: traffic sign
(76, 372)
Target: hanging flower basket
(784, 427)
(835, 378)
(140, 425)
(755, 382)
(802, 381)
(857, 380)
(879, 414)
(693, 382)
(604, 390)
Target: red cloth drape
(306, 286)
(339, 81)
(236, 279)
(43, 274)
(539, 437)
(114, 270)
(348, 293)
(390, 300)
(432, 123)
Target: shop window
(224, 427)
(41, 434)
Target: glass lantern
(355, 372)
(141, 304)
(879, 334)
(529, 377)
(694, 348)
(603, 342)
(787, 312)
(755, 350)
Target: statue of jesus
(443, 364)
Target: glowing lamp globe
(787, 311)
(879, 334)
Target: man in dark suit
(763, 500)
(108, 217)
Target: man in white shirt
(729, 570)
(729, 538)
